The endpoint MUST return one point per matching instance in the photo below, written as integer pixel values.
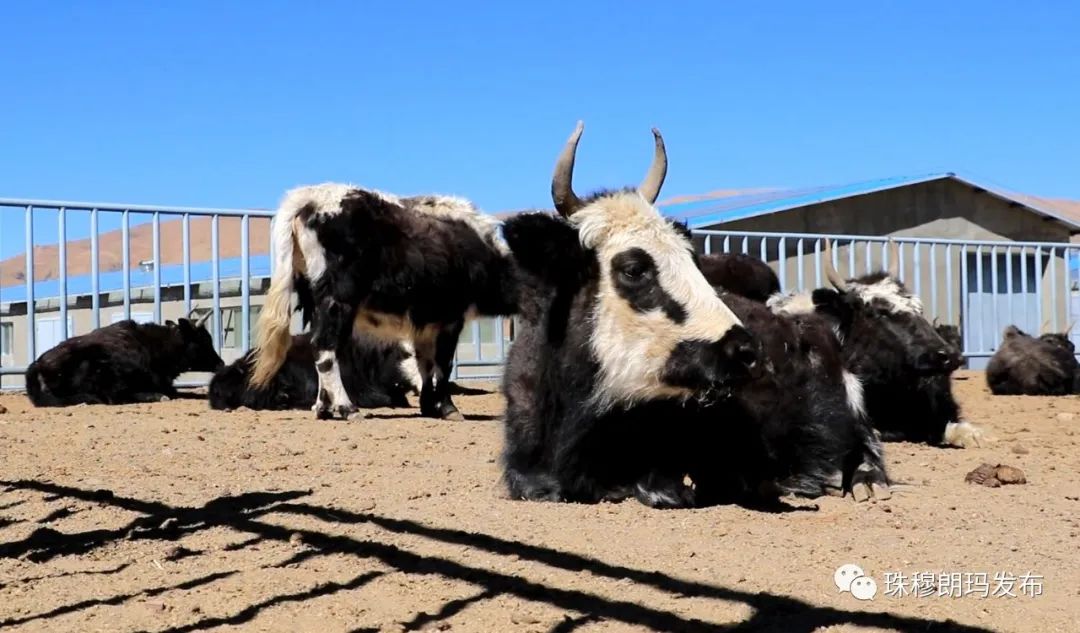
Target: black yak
(125, 362)
(1033, 366)
(375, 374)
(740, 274)
(901, 360)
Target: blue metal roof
(113, 281)
(706, 212)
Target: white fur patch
(791, 304)
(462, 210)
(330, 381)
(631, 347)
(853, 387)
(410, 369)
(963, 435)
(889, 291)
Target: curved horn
(833, 275)
(562, 187)
(201, 321)
(934, 322)
(194, 309)
(650, 187)
(894, 260)
(1045, 327)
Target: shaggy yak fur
(122, 363)
(1030, 366)
(740, 274)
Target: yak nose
(741, 351)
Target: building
(980, 257)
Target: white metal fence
(979, 286)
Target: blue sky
(228, 104)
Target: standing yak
(1030, 366)
(903, 363)
(397, 268)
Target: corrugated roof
(710, 211)
(113, 281)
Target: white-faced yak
(122, 363)
(619, 338)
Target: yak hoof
(334, 412)
(963, 435)
(446, 411)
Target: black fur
(392, 259)
(740, 274)
(904, 364)
(370, 371)
(792, 430)
(121, 363)
(1026, 365)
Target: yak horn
(562, 182)
(894, 259)
(194, 309)
(833, 275)
(201, 321)
(650, 187)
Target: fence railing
(187, 255)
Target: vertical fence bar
(727, 243)
(125, 259)
(1053, 289)
(781, 262)
(156, 228)
(501, 337)
(1066, 286)
(764, 249)
(900, 259)
(981, 291)
(61, 235)
(965, 301)
(851, 260)
(185, 248)
(216, 280)
(933, 280)
(996, 329)
(746, 245)
(31, 309)
(817, 263)
(1024, 286)
(478, 350)
(245, 285)
(1039, 284)
(869, 258)
(95, 281)
(885, 255)
(708, 245)
(949, 288)
(1010, 316)
(916, 268)
(801, 276)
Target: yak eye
(632, 266)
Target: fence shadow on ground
(243, 512)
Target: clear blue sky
(229, 104)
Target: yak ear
(546, 246)
(836, 305)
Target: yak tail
(36, 389)
(273, 339)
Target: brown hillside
(110, 248)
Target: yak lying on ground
(903, 363)
(797, 429)
(620, 338)
(375, 374)
(125, 362)
(1030, 366)
(413, 268)
(740, 274)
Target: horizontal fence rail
(157, 263)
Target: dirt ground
(170, 517)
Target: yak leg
(333, 326)
(435, 356)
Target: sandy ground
(171, 517)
